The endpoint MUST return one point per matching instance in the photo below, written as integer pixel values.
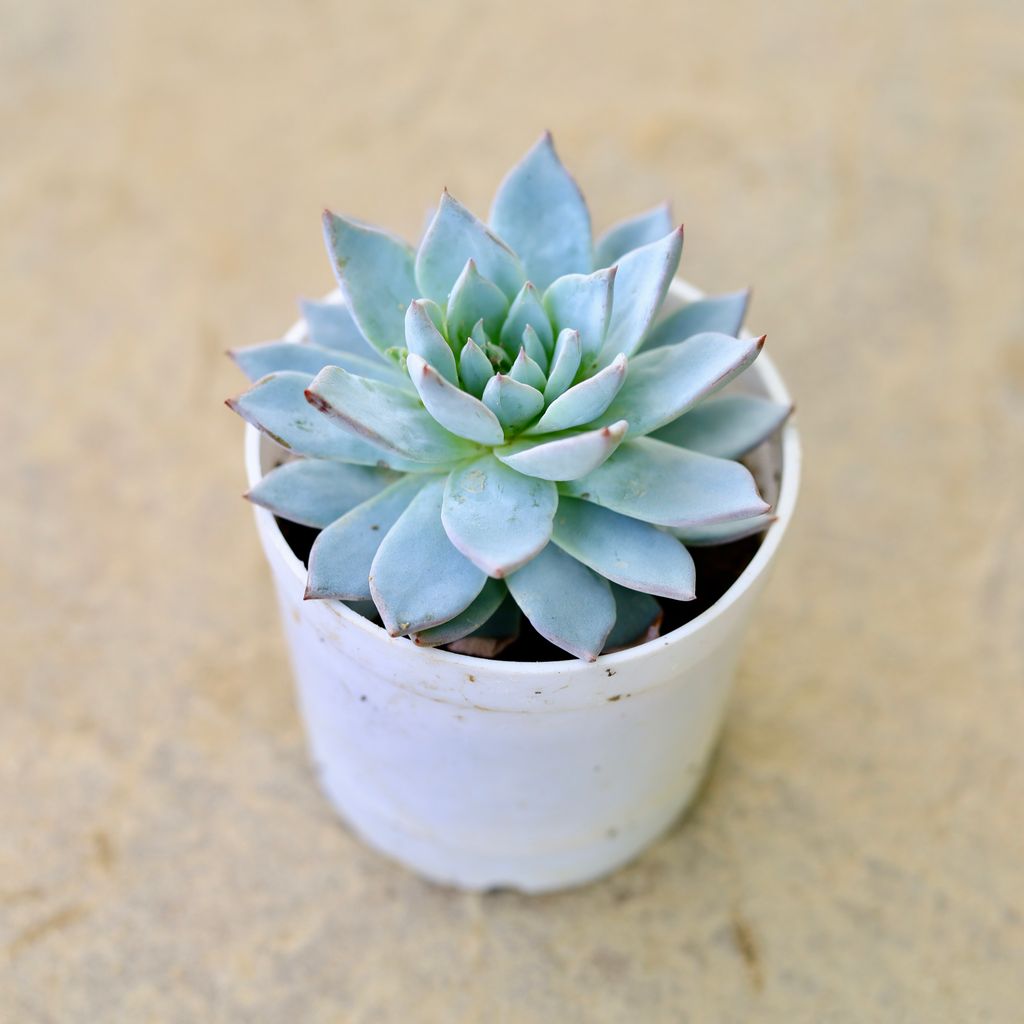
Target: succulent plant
(499, 421)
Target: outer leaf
(669, 486)
(637, 619)
(640, 285)
(456, 410)
(498, 518)
(376, 273)
(565, 363)
(527, 310)
(632, 233)
(585, 304)
(424, 339)
(584, 402)
(565, 457)
(277, 406)
(663, 384)
(455, 236)
(341, 556)
(527, 371)
(385, 416)
(497, 633)
(418, 579)
(723, 533)
(257, 361)
(722, 314)
(513, 403)
(727, 427)
(474, 298)
(469, 621)
(475, 368)
(567, 603)
(330, 325)
(627, 551)
(540, 211)
(315, 492)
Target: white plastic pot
(534, 776)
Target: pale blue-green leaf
(625, 550)
(474, 368)
(527, 310)
(456, 410)
(566, 602)
(497, 633)
(375, 271)
(721, 314)
(641, 282)
(527, 371)
(418, 579)
(480, 336)
(341, 556)
(669, 486)
(564, 456)
(498, 518)
(455, 236)
(466, 622)
(257, 361)
(423, 339)
(534, 348)
(584, 303)
(540, 211)
(514, 404)
(585, 401)
(315, 492)
(728, 427)
(565, 363)
(386, 416)
(723, 533)
(637, 619)
(277, 406)
(330, 324)
(664, 383)
(474, 298)
(632, 233)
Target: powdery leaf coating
(721, 314)
(585, 401)
(418, 579)
(540, 211)
(726, 427)
(566, 602)
(423, 338)
(456, 410)
(627, 551)
(375, 272)
(455, 236)
(385, 416)
(315, 492)
(341, 556)
(565, 456)
(669, 486)
(631, 233)
(663, 384)
(486, 492)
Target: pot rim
(789, 486)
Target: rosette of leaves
(499, 421)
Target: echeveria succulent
(499, 420)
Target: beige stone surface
(164, 853)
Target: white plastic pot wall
(534, 776)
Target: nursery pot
(529, 775)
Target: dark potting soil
(718, 568)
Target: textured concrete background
(164, 854)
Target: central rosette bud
(488, 369)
